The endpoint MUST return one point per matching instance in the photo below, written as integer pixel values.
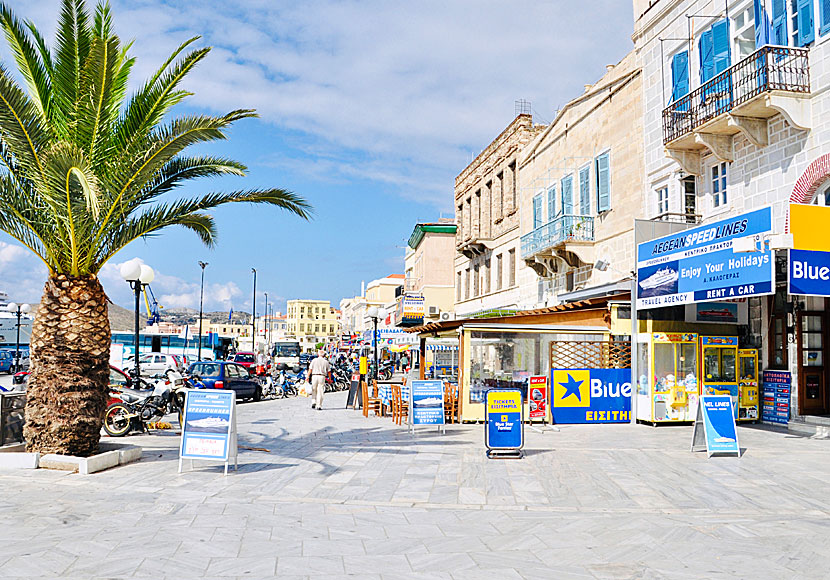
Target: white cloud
(407, 89)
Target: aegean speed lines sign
(698, 264)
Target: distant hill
(122, 319)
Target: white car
(155, 363)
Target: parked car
(227, 375)
(246, 359)
(156, 363)
(7, 360)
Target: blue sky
(369, 109)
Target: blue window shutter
(537, 211)
(806, 30)
(567, 195)
(762, 25)
(585, 191)
(551, 202)
(707, 56)
(779, 23)
(720, 42)
(679, 75)
(824, 15)
(603, 183)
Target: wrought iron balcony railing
(565, 228)
(770, 68)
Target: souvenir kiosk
(748, 400)
(719, 367)
(669, 392)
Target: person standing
(404, 362)
(318, 370)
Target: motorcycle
(132, 409)
(385, 371)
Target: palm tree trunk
(67, 393)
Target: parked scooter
(133, 409)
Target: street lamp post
(20, 310)
(137, 275)
(267, 323)
(253, 316)
(374, 314)
(201, 299)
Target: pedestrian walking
(404, 362)
(318, 370)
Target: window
(302, 327)
(476, 284)
(603, 177)
(499, 196)
(585, 190)
(537, 210)
(316, 328)
(499, 271)
(662, 200)
(512, 169)
(802, 18)
(689, 187)
(512, 254)
(302, 310)
(824, 16)
(679, 75)
(822, 197)
(458, 287)
(567, 184)
(714, 50)
(744, 33)
(487, 276)
(719, 185)
(779, 22)
(459, 220)
(467, 284)
(551, 202)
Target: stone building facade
(735, 119)
(487, 265)
(581, 189)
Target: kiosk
(669, 393)
(748, 400)
(719, 367)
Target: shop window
(718, 182)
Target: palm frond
(73, 42)
(21, 124)
(28, 59)
(96, 103)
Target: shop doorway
(813, 397)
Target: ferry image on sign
(662, 277)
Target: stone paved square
(341, 496)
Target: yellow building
(312, 321)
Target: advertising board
(209, 429)
(591, 395)
(699, 265)
(504, 429)
(426, 403)
(538, 398)
(715, 426)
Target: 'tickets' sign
(591, 395)
(538, 398)
(504, 428)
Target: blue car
(227, 375)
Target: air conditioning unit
(445, 316)
(433, 311)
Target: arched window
(822, 196)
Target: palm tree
(83, 171)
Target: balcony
(773, 80)
(562, 230)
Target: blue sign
(718, 425)
(591, 395)
(698, 264)
(426, 403)
(809, 273)
(209, 425)
(503, 410)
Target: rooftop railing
(770, 68)
(565, 228)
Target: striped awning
(441, 347)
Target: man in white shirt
(318, 370)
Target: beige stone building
(428, 269)
(581, 188)
(487, 264)
(312, 321)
